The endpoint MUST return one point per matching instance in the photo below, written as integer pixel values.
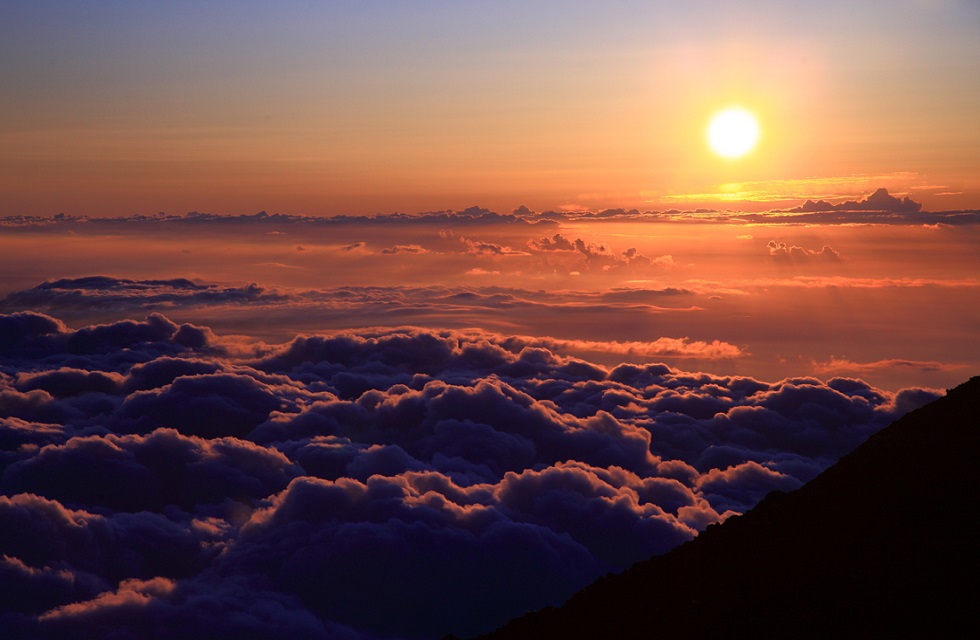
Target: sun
(733, 132)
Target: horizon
(841, 203)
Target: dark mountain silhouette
(882, 544)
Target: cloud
(400, 546)
(838, 365)
(880, 200)
(484, 248)
(130, 593)
(471, 216)
(405, 248)
(590, 250)
(877, 208)
(845, 282)
(67, 293)
(162, 608)
(782, 252)
(496, 307)
(44, 533)
(596, 255)
(27, 331)
(153, 483)
(162, 469)
(660, 348)
(737, 486)
(16, 433)
(557, 242)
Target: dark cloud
(880, 200)
(167, 609)
(405, 248)
(164, 468)
(67, 381)
(211, 405)
(472, 216)
(595, 255)
(590, 250)
(70, 293)
(557, 242)
(104, 347)
(488, 306)
(27, 332)
(43, 533)
(16, 433)
(125, 294)
(386, 483)
(400, 546)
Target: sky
(114, 108)
(394, 320)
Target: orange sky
(117, 110)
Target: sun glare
(733, 132)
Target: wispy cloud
(843, 365)
(660, 348)
(743, 285)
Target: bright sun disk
(733, 132)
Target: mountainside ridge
(883, 543)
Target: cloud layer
(161, 478)
(880, 200)
(878, 207)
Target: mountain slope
(882, 543)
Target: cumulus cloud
(557, 242)
(486, 248)
(791, 253)
(596, 255)
(880, 200)
(449, 479)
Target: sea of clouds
(160, 480)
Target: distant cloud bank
(878, 208)
(86, 297)
(161, 479)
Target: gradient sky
(114, 108)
